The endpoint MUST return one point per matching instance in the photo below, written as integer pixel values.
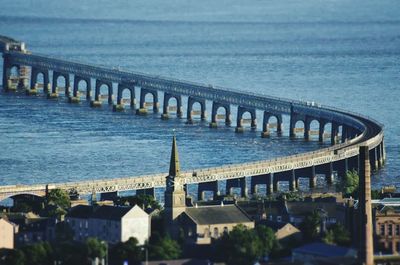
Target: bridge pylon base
(118, 108)
(239, 129)
(52, 95)
(95, 103)
(31, 92)
(164, 116)
(74, 99)
(265, 134)
(141, 111)
(213, 125)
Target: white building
(7, 231)
(109, 223)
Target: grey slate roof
(226, 214)
(323, 250)
(98, 212)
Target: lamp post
(145, 248)
(106, 257)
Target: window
(216, 233)
(390, 228)
(225, 229)
(397, 230)
(382, 229)
(279, 218)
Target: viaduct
(104, 86)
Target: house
(7, 232)
(284, 231)
(202, 223)
(36, 230)
(109, 223)
(199, 223)
(387, 224)
(315, 251)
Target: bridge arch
(82, 86)
(193, 107)
(298, 127)
(271, 120)
(104, 90)
(177, 99)
(312, 129)
(147, 94)
(215, 116)
(126, 95)
(56, 85)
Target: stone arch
(167, 107)
(56, 88)
(312, 129)
(102, 88)
(298, 127)
(241, 113)
(78, 88)
(271, 121)
(145, 93)
(126, 96)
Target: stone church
(198, 224)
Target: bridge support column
(344, 133)
(239, 120)
(6, 71)
(207, 186)
(142, 108)
(270, 184)
(150, 191)
(313, 178)
(108, 196)
(120, 105)
(257, 180)
(266, 131)
(382, 160)
(307, 123)
(292, 124)
(191, 101)
(75, 97)
(330, 177)
(293, 181)
(334, 132)
(214, 114)
(237, 183)
(374, 159)
(32, 90)
(167, 97)
(97, 101)
(321, 130)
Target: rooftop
(221, 214)
(323, 250)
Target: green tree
(310, 227)
(349, 184)
(59, 198)
(95, 248)
(126, 251)
(267, 238)
(11, 257)
(241, 246)
(337, 235)
(164, 248)
(38, 254)
(143, 200)
(70, 253)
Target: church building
(199, 224)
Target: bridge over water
(53, 77)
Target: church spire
(174, 168)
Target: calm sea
(340, 53)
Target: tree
(11, 257)
(59, 198)
(310, 227)
(126, 251)
(267, 238)
(164, 248)
(143, 200)
(350, 183)
(241, 246)
(70, 253)
(95, 248)
(337, 235)
(39, 253)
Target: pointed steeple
(174, 168)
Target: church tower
(175, 196)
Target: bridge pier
(344, 133)
(257, 180)
(75, 97)
(239, 120)
(334, 132)
(120, 106)
(54, 87)
(142, 104)
(307, 124)
(167, 97)
(191, 101)
(321, 130)
(97, 102)
(265, 131)
(108, 196)
(214, 114)
(293, 181)
(150, 191)
(6, 71)
(329, 175)
(207, 186)
(33, 86)
(313, 178)
(237, 183)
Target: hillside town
(289, 228)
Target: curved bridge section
(347, 132)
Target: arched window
(216, 233)
(225, 229)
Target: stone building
(7, 232)
(109, 223)
(387, 224)
(199, 224)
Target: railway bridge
(41, 75)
